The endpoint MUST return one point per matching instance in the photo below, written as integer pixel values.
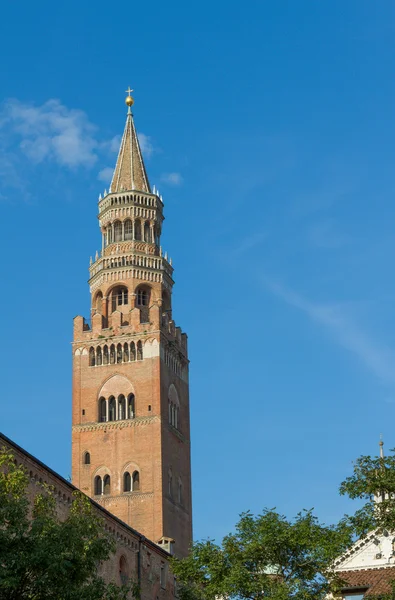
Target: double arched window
(131, 483)
(102, 486)
(119, 296)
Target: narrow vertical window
(98, 486)
(87, 458)
(105, 355)
(119, 353)
(99, 359)
(147, 232)
(139, 350)
(136, 481)
(137, 229)
(128, 229)
(127, 482)
(121, 407)
(130, 406)
(112, 354)
(111, 409)
(92, 360)
(132, 351)
(102, 410)
(118, 231)
(126, 352)
(107, 485)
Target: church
(130, 392)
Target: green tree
(44, 558)
(268, 556)
(373, 482)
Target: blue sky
(268, 127)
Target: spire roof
(130, 173)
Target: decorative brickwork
(126, 362)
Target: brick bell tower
(130, 434)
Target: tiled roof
(374, 581)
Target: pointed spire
(130, 173)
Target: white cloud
(52, 132)
(146, 145)
(378, 358)
(172, 178)
(106, 175)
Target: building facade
(136, 558)
(130, 423)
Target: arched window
(111, 409)
(112, 354)
(136, 481)
(127, 482)
(139, 350)
(130, 406)
(117, 231)
(128, 229)
(119, 353)
(119, 297)
(137, 229)
(105, 355)
(87, 458)
(147, 232)
(121, 407)
(107, 485)
(123, 571)
(99, 358)
(126, 352)
(92, 357)
(98, 486)
(102, 410)
(142, 297)
(132, 351)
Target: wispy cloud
(174, 179)
(248, 243)
(51, 132)
(377, 357)
(146, 145)
(106, 175)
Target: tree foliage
(373, 480)
(268, 556)
(42, 557)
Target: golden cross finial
(129, 100)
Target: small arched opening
(136, 481)
(139, 350)
(98, 485)
(119, 353)
(105, 355)
(127, 482)
(112, 354)
(131, 406)
(92, 359)
(111, 409)
(128, 229)
(132, 351)
(99, 357)
(126, 352)
(137, 229)
(87, 458)
(123, 571)
(107, 485)
(118, 231)
(102, 410)
(147, 232)
(121, 407)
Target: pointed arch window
(128, 229)
(127, 482)
(132, 351)
(107, 485)
(102, 410)
(139, 350)
(123, 571)
(111, 409)
(98, 485)
(136, 481)
(92, 360)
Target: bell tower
(130, 425)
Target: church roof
(130, 173)
(370, 582)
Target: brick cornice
(136, 422)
